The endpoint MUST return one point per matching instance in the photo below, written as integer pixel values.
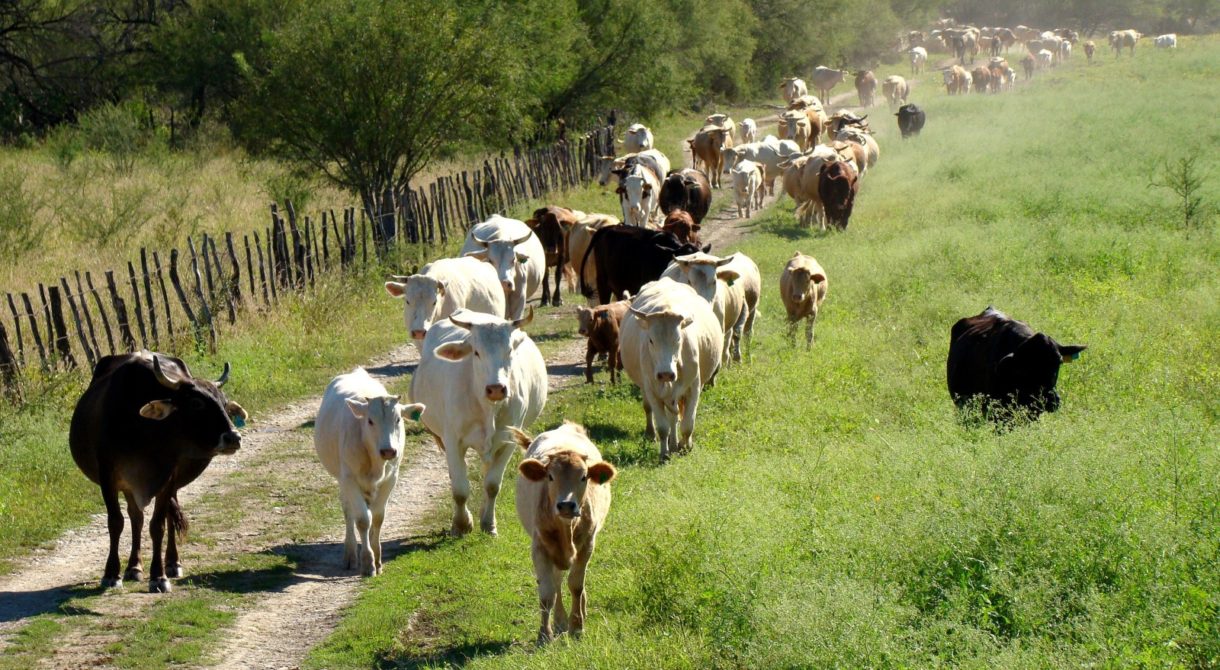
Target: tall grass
(835, 512)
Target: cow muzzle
(496, 392)
(666, 376)
(568, 509)
(418, 334)
(507, 286)
(230, 442)
(388, 453)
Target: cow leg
(792, 332)
(557, 296)
(493, 475)
(136, 514)
(544, 573)
(560, 615)
(459, 485)
(380, 497)
(809, 324)
(589, 356)
(114, 524)
(362, 517)
(576, 584)
(650, 430)
(614, 364)
(350, 558)
(173, 567)
(546, 287)
(739, 329)
(686, 420)
(157, 581)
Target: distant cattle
(687, 190)
(441, 288)
(794, 87)
(957, 80)
(639, 194)
(1089, 49)
(824, 79)
(724, 122)
(1124, 39)
(359, 437)
(866, 87)
(768, 153)
(671, 345)
(748, 130)
(872, 150)
(479, 376)
(1006, 37)
(802, 288)
(707, 148)
(1167, 41)
(515, 252)
(548, 224)
(797, 128)
(682, 227)
(145, 428)
(896, 90)
(1046, 59)
(1028, 63)
(981, 78)
(653, 159)
(918, 57)
(801, 179)
(563, 497)
(910, 120)
(627, 258)
(600, 325)
(747, 187)
(638, 138)
(1005, 363)
(837, 187)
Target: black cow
(688, 190)
(910, 120)
(837, 187)
(548, 223)
(1005, 362)
(628, 257)
(145, 428)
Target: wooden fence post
(9, 367)
(169, 316)
(120, 313)
(148, 297)
(12, 308)
(135, 298)
(84, 308)
(63, 347)
(205, 310)
(101, 311)
(176, 281)
(29, 312)
(90, 357)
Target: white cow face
(490, 347)
(421, 295)
(638, 194)
(381, 424)
(567, 475)
(504, 257)
(664, 333)
(700, 271)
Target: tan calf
(563, 497)
(802, 287)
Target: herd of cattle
(663, 309)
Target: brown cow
(982, 79)
(601, 325)
(802, 287)
(549, 224)
(682, 226)
(1089, 49)
(866, 87)
(1028, 64)
(708, 148)
(578, 236)
(837, 187)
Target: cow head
(421, 296)
(196, 409)
(804, 279)
(381, 424)
(683, 228)
(637, 192)
(566, 473)
(504, 257)
(701, 271)
(663, 331)
(1029, 373)
(490, 344)
(584, 321)
(604, 166)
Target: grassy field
(834, 512)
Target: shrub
(20, 228)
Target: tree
(368, 92)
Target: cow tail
(585, 289)
(176, 519)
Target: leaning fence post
(204, 309)
(8, 367)
(90, 357)
(29, 312)
(135, 297)
(120, 313)
(148, 297)
(63, 347)
(169, 317)
(97, 300)
(12, 308)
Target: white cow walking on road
(441, 288)
(511, 247)
(359, 437)
(479, 375)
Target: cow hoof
(576, 633)
(489, 529)
(174, 571)
(544, 638)
(557, 303)
(133, 574)
(112, 583)
(159, 585)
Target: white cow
(652, 158)
(732, 285)
(749, 284)
(1166, 41)
(639, 194)
(794, 87)
(670, 346)
(918, 57)
(563, 497)
(871, 148)
(443, 287)
(725, 122)
(515, 253)
(479, 375)
(637, 139)
(1065, 50)
(359, 438)
(749, 130)
(1045, 59)
(747, 187)
(769, 153)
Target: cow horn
(224, 376)
(458, 322)
(523, 239)
(160, 375)
(400, 278)
(475, 236)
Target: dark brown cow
(866, 87)
(145, 428)
(682, 226)
(837, 186)
(548, 224)
(688, 190)
(1028, 64)
(982, 79)
(601, 325)
(1006, 363)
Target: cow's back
(336, 429)
(977, 343)
(469, 284)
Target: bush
(117, 130)
(65, 145)
(290, 186)
(20, 228)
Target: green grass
(835, 512)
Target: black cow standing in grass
(910, 120)
(628, 257)
(145, 428)
(1006, 363)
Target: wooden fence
(74, 321)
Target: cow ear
(395, 289)
(525, 320)
(602, 472)
(480, 254)
(729, 276)
(532, 223)
(818, 277)
(686, 322)
(1071, 352)
(412, 411)
(620, 190)
(522, 438)
(453, 351)
(440, 286)
(359, 408)
(532, 469)
(237, 413)
(157, 409)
